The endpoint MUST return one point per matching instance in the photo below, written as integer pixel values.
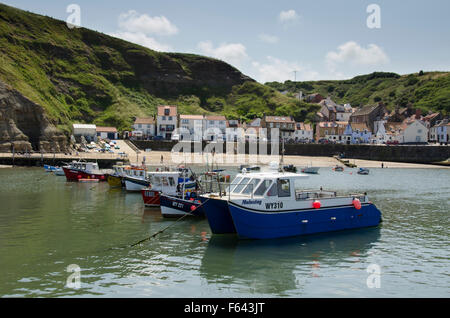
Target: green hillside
(424, 90)
(79, 75)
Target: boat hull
(75, 175)
(115, 181)
(254, 224)
(176, 207)
(218, 215)
(151, 197)
(135, 185)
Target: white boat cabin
(280, 191)
(88, 167)
(135, 172)
(164, 181)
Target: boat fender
(316, 204)
(357, 204)
(193, 207)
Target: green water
(47, 224)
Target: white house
(144, 127)
(443, 131)
(215, 128)
(88, 131)
(303, 132)
(415, 132)
(191, 127)
(166, 121)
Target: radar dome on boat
(274, 165)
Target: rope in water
(162, 230)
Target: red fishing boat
(83, 170)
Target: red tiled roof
(172, 110)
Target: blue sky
(269, 40)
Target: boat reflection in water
(274, 266)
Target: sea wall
(397, 153)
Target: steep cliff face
(80, 75)
(24, 126)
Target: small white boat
(363, 171)
(310, 170)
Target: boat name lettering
(251, 202)
(177, 204)
(274, 205)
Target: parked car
(392, 142)
(323, 141)
(158, 138)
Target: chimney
(418, 113)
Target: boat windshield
(234, 183)
(251, 186)
(241, 185)
(263, 187)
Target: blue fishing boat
(49, 168)
(277, 204)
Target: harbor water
(50, 228)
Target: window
(251, 186)
(164, 118)
(419, 131)
(164, 181)
(273, 191)
(233, 184)
(171, 181)
(157, 181)
(263, 187)
(284, 189)
(241, 185)
(170, 117)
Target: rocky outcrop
(24, 126)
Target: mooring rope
(162, 230)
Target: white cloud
(142, 39)
(288, 16)
(233, 53)
(267, 38)
(355, 55)
(132, 21)
(275, 69)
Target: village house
(303, 132)
(215, 128)
(443, 131)
(333, 131)
(314, 98)
(107, 133)
(284, 124)
(343, 113)
(144, 127)
(357, 133)
(415, 132)
(328, 109)
(192, 127)
(166, 121)
(368, 115)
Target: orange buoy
(357, 204)
(316, 205)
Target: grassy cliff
(79, 75)
(425, 90)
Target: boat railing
(226, 188)
(322, 194)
